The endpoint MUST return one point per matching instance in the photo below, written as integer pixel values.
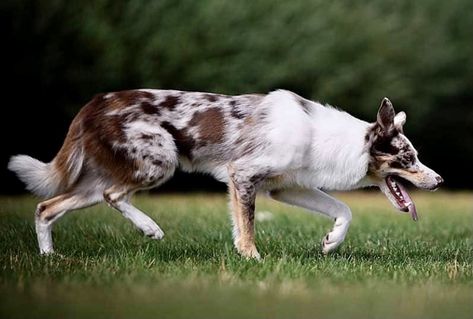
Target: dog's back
(137, 137)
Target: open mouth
(399, 196)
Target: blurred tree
(59, 54)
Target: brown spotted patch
(99, 134)
(403, 160)
(134, 96)
(157, 162)
(85, 121)
(146, 136)
(123, 99)
(149, 108)
(388, 149)
(211, 97)
(244, 105)
(210, 124)
(258, 178)
(382, 142)
(235, 111)
(68, 148)
(170, 102)
(384, 145)
(183, 140)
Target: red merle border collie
(290, 147)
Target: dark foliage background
(58, 54)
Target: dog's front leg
(318, 201)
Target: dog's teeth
(408, 204)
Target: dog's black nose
(439, 180)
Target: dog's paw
(250, 254)
(328, 246)
(49, 251)
(247, 250)
(334, 238)
(154, 232)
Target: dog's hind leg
(157, 158)
(118, 198)
(318, 201)
(49, 211)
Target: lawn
(388, 267)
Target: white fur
(140, 220)
(400, 120)
(323, 150)
(289, 133)
(317, 201)
(40, 178)
(338, 160)
(44, 236)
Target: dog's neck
(339, 156)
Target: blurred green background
(58, 54)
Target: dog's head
(393, 158)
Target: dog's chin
(398, 195)
(432, 188)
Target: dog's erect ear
(399, 121)
(385, 116)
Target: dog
(292, 148)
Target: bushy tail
(40, 178)
(49, 179)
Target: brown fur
(170, 102)
(211, 97)
(243, 209)
(100, 131)
(45, 209)
(148, 108)
(61, 161)
(210, 124)
(185, 143)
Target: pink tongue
(408, 199)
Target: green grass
(388, 267)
